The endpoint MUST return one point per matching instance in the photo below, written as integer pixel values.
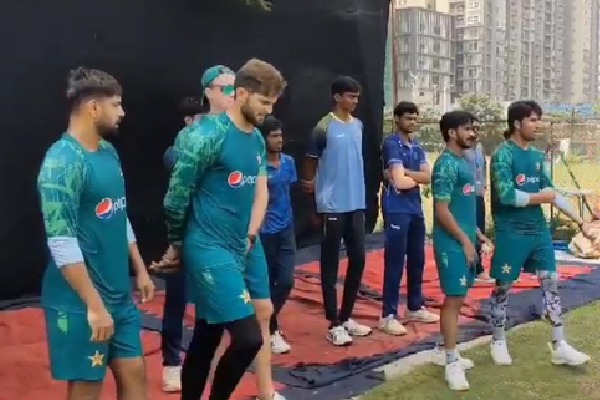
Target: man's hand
(169, 262)
(470, 252)
(145, 286)
(589, 231)
(487, 247)
(250, 242)
(308, 186)
(101, 324)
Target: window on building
(473, 19)
(474, 5)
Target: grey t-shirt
(476, 158)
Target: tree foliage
(262, 4)
(483, 107)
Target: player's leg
(354, 237)
(257, 282)
(456, 277)
(415, 265)
(285, 265)
(394, 252)
(73, 357)
(333, 229)
(511, 252)
(543, 262)
(172, 331)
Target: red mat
(23, 347)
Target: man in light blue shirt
(334, 170)
(476, 157)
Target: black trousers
(350, 227)
(481, 225)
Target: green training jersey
(82, 197)
(453, 182)
(213, 184)
(513, 169)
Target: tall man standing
(218, 89)
(334, 170)
(406, 169)
(476, 157)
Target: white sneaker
(338, 336)
(392, 326)
(278, 344)
(455, 376)
(423, 315)
(567, 355)
(500, 353)
(356, 329)
(171, 377)
(276, 396)
(438, 357)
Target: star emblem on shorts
(506, 269)
(97, 359)
(245, 296)
(463, 281)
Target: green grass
(585, 173)
(530, 377)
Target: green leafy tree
(262, 4)
(491, 114)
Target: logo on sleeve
(108, 207)
(237, 179)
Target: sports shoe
(565, 354)
(423, 315)
(455, 376)
(484, 278)
(276, 396)
(499, 353)
(338, 336)
(438, 357)
(355, 329)
(278, 344)
(171, 377)
(392, 326)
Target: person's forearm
(259, 209)
(136, 258)
(420, 177)
(309, 168)
(78, 278)
(565, 206)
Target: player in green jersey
(215, 206)
(520, 185)
(91, 320)
(454, 234)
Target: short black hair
(405, 107)
(270, 124)
(85, 83)
(454, 120)
(474, 118)
(345, 84)
(518, 111)
(190, 107)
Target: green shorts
(73, 357)
(257, 273)
(515, 252)
(456, 275)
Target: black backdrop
(158, 50)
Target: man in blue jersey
(277, 234)
(215, 206)
(406, 169)
(334, 172)
(91, 320)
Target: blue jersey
(213, 184)
(279, 214)
(82, 196)
(340, 180)
(411, 156)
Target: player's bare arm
(423, 176)
(259, 207)
(143, 281)
(399, 178)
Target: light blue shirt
(340, 180)
(476, 158)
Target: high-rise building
(535, 38)
(480, 47)
(580, 52)
(423, 52)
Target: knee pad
(246, 335)
(548, 280)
